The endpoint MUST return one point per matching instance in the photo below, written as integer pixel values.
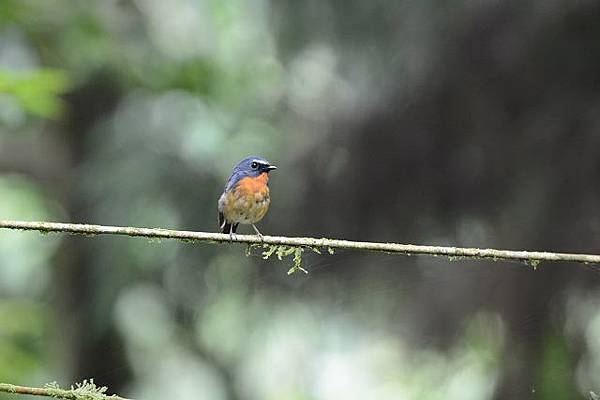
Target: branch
(81, 391)
(283, 246)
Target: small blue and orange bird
(246, 198)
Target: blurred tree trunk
(89, 351)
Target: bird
(246, 197)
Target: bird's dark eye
(254, 165)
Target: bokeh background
(471, 123)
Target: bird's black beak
(270, 168)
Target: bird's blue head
(251, 166)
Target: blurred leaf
(23, 332)
(198, 76)
(37, 92)
(11, 10)
(24, 255)
(556, 376)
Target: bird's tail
(227, 228)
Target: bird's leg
(231, 232)
(258, 232)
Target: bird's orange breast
(248, 201)
(253, 185)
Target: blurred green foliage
(25, 329)
(556, 371)
(25, 272)
(37, 92)
(26, 321)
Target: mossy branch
(86, 390)
(282, 246)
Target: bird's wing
(222, 221)
(220, 206)
(234, 179)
